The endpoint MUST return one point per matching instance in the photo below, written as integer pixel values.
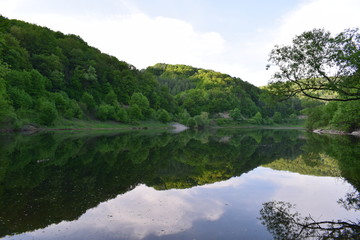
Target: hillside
(46, 76)
(199, 90)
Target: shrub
(163, 116)
(191, 123)
(47, 112)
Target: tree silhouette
(283, 223)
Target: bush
(191, 123)
(134, 113)
(121, 115)
(47, 112)
(163, 116)
(257, 119)
(347, 116)
(105, 112)
(183, 117)
(20, 98)
(73, 110)
(277, 117)
(89, 101)
(236, 114)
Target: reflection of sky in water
(223, 210)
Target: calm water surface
(190, 185)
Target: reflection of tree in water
(284, 223)
(50, 177)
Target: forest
(47, 76)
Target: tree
(88, 100)
(285, 224)
(142, 103)
(134, 113)
(7, 114)
(121, 115)
(48, 112)
(277, 118)
(256, 119)
(163, 116)
(191, 123)
(319, 66)
(105, 112)
(235, 114)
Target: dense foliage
(46, 75)
(320, 66)
(199, 90)
(317, 61)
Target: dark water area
(224, 184)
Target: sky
(229, 36)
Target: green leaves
(317, 61)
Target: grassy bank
(94, 124)
(299, 124)
(76, 124)
(90, 124)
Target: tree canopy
(319, 65)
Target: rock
(356, 133)
(178, 128)
(29, 128)
(322, 131)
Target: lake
(218, 184)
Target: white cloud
(9, 6)
(332, 15)
(139, 39)
(138, 214)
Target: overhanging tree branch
(316, 62)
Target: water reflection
(223, 210)
(107, 186)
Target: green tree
(89, 101)
(121, 114)
(317, 61)
(105, 112)
(191, 123)
(256, 119)
(183, 117)
(134, 113)
(347, 116)
(7, 114)
(20, 98)
(277, 117)
(235, 114)
(163, 116)
(47, 112)
(111, 98)
(142, 103)
(73, 110)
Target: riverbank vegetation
(321, 66)
(48, 78)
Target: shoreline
(337, 132)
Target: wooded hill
(47, 75)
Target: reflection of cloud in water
(145, 212)
(140, 213)
(312, 194)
